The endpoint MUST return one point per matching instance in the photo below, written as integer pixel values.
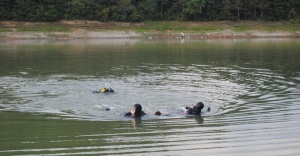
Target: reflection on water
(252, 87)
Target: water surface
(252, 87)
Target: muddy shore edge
(117, 30)
(134, 35)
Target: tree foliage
(193, 9)
(146, 10)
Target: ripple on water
(253, 91)
(243, 117)
(168, 88)
(72, 95)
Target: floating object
(208, 109)
(157, 113)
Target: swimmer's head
(137, 109)
(198, 107)
(157, 113)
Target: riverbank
(11, 30)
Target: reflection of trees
(83, 57)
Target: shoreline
(67, 30)
(133, 35)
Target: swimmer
(106, 89)
(196, 110)
(136, 111)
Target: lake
(252, 87)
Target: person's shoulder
(143, 113)
(189, 110)
(111, 90)
(128, 114)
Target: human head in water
(136, 110)
(198, 107)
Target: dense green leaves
(193, 9)
(147, 10)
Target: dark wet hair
(138, 110)
(157, 113)
(198, 107)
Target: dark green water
(252, 87)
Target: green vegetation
(150, 10)
(149, 26)
(200, 27)
(266, 26)
(161, 16)
(43, 29)
(4, 30)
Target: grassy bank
(207, 27)
(151, 26)
(156, 29)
